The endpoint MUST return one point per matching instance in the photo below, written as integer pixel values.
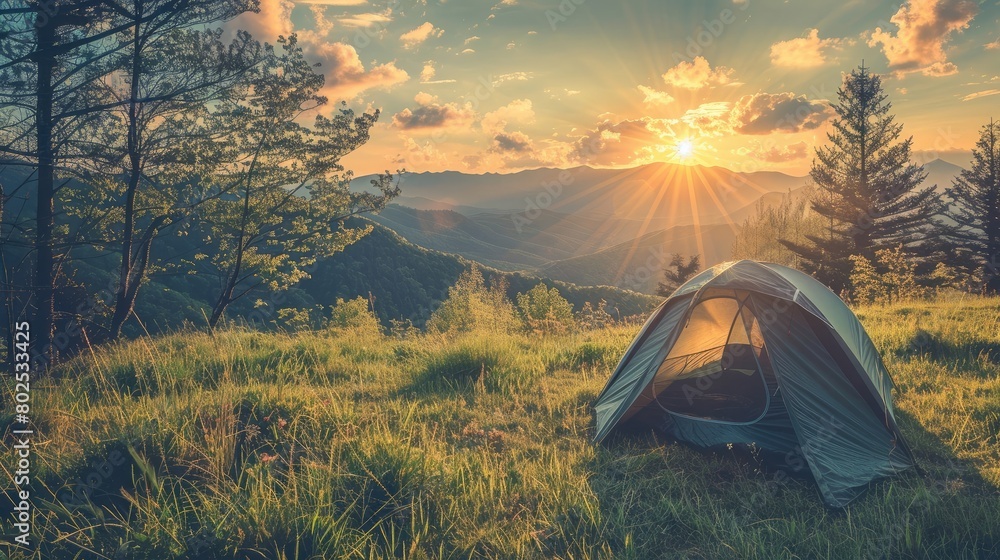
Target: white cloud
(765, 113)
(511, 77)
(333, 2)
(804, 52)
(427, 74)
(709, 119)
(979, 94)
(364, 20)
(654, 96)
(431, 114)
(272, 20)
(774, 153)
(519, 111)
(413, 38)
(517, 142)
(696, 74)
(923, 29)
(345, 75)
(618, 142)
(323, 26)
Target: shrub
(388, 478)
(402, 329)
(593, 354)
(945, 277)
(544, 310)
(866, 285)
(899, 275)
(474, 306)
(294, 320)
(891, 279)
(464, 362)
(355, 316)
(593, 318)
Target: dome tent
(750, 352)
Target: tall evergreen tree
(868, 190)
(976, 207)
(677, 273)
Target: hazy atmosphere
(573, 279)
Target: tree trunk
(137, 271)
(43, 324)
(128, 279)
(993, 218)
(226, 297)
(7, 288)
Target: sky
(499, 86)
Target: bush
(543, 310)
(388, 478)
(355, 316)
(866, 285)
(593, 318)
(294, 320)
(474, 306)
(891, 279)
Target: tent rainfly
(758, 353)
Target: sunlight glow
(684, 149)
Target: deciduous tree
(292, 195)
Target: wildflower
(252, 432)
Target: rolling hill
(592, 226)
(408, 282)
(663, 194)
(499, 240)
(637, 264)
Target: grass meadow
(352, 444)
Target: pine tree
(868, 192)
(677, 273)
(976, 206)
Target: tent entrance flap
(713, 370)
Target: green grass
(323, 445)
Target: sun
(684, 149)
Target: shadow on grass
(470, 366)
(934, 347)
(658, 495)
